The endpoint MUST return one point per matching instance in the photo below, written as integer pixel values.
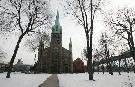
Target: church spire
(57, 19)
(70, 41)
(57, 28)
(70, 45)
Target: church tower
(71, 59)
(56, 46)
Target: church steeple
(57, 28)
(57, 19)
(70, 45)
(70, 41)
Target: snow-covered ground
(69, 80)
(106, 80)
(22, 80)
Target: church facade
(55, 59)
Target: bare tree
(105, 43)
(83, 11)
(122, 25)
(33, 41)
(23, 17)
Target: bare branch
(81, 8)
(123, 25)
(19, 18)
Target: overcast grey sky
(69, 29)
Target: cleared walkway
(52, 81)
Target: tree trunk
(98, 66)
(132, 48)
(90, 65)
(126, 65)
(103, 69)
(131, 41)
(132, 51)
(110, 68)
(90, 55)
(93, 66)
(119, 67)
(13, 57)
(87, 38)
(90, 48)
(89, 62)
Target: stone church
(55, 59)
